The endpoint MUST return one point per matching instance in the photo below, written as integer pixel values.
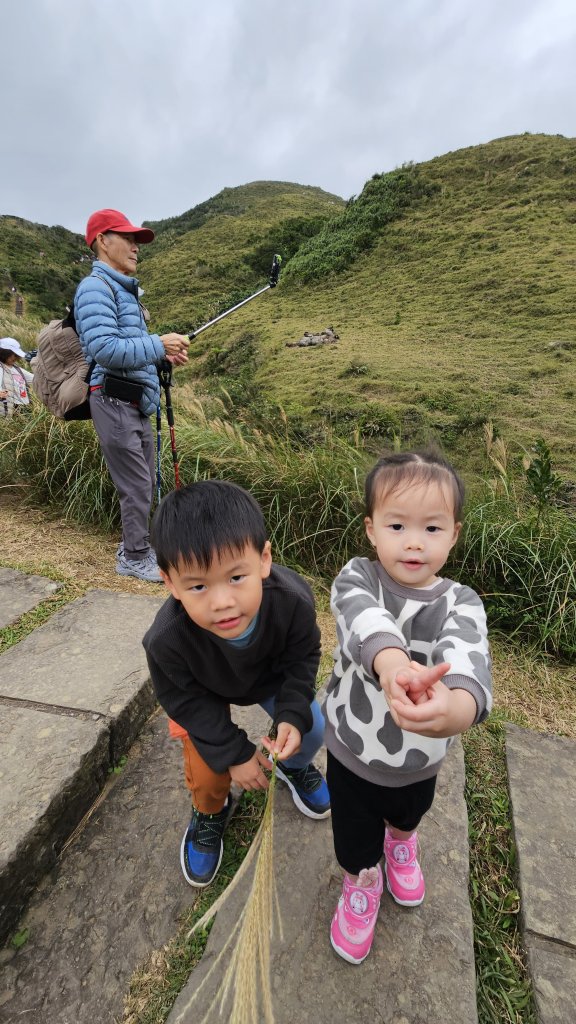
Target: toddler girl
(412, 671)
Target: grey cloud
(152, 107)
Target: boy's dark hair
(393, 473)
(202, 521)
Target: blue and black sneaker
(309, 789)
(202, 847)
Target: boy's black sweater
(197, 675)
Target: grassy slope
(197, 257)
(463, 310)
(47, 282)
(201, 260)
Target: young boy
(237, 629)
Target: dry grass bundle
(247, 976)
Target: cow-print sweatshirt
(446, 622)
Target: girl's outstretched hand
(443, 713)
(287, 742)
(415, 681)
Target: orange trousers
(209, 789)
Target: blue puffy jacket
(113, 332)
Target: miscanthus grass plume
(246, 979)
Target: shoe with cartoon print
(404, 877)
(352, 928)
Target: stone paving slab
(542, 782)
(73, 696)
(553, 970)
(88, 657)
(51, 770)
(116, 894)
(20, 593)
(421, 968)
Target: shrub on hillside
(382, 200)
(58, 463)
(310, 493)
(519, 549)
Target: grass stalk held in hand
(247, 975)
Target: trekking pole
(165, 375)
(272, 282)
(158, 452)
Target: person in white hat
(14, 380)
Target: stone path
(421, 968)
(114, 896)
(74, 697)
(542, 779)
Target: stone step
(542, 782)
(115, 894)
(421, 967)
(73, 696)
(20, 593)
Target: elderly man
(124, 384)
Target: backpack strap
(70, 321)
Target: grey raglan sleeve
(363, 625)
(463, 642)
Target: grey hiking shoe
(143, 569)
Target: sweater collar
(411, 593)
(129, 283)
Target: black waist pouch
(119, 387)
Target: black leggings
(361, 810)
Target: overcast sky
(152, 106)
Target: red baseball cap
(113, 220)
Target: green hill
(44, 264)
(213, 252)
(451, 284)
(455, 307)
(220, 251)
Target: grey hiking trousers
(128, 448)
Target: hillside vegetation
(212, 254)
(460, 311)
(451, 284)
(44, 264)
(221, 251)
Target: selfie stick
(272, 282)
(165, 366)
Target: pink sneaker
(403, 875)
(352, 928)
